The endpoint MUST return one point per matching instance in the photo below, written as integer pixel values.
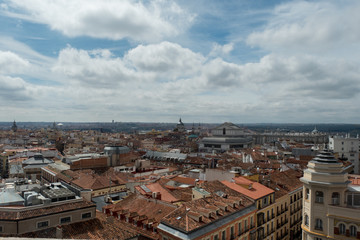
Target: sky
(156, 61)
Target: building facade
(225, 137)
(331, 203)
(347, 148)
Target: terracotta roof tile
(251, 189)
(5, 215)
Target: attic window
(178, 218)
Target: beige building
(331, 202)
(19, 220)
(347, 148)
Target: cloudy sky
(155, 61)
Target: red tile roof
(97, 228)
(251, 189)
(165, 194)
(24, 213)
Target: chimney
(59, 232)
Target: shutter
(336, 230)
(358, 235)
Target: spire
(14, 127)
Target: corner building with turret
(331, 202)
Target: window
(319, 197)
(223, 235)
(335, 198)
(239, 226)
(216, 237)
(342, 228)
(265, 201)
(307, 193)
(1, 228)
(353, 199)
(42, 224)
(65, 220)
(353, 231)
(232, 232)
(318, 238)
(318, 224)
(306, 220)
(86, 215)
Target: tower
(14, 127)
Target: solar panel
(145, 188)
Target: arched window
(307, 193)
(318, 224)
(353, 231)
(319, 197)
(306, 220)
(342, 228)
(335, 198)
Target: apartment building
(34, 211)
(264, 199)
(331, 201)
(218, 216)
(347, 148)
(278, 214)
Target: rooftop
(254, 190)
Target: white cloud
(165, 72)
(95, 68)
(221, 50)
(166, 59)
(12, 63)
(13, 89)
(110, 19)
(166, 79)
(315, 27)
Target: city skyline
(156, 61)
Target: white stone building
(347, 148)
(331, 203)
(225, 137)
